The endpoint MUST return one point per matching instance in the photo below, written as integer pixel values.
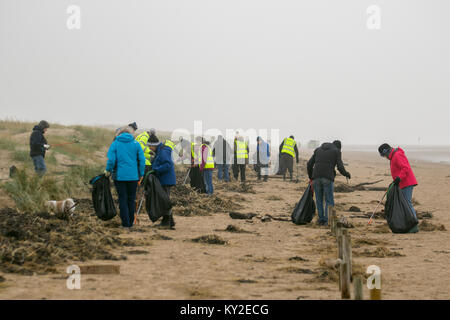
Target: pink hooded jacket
(400, 167)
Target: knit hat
(292, 137)
(133, 125)
(338, 144)
(384, 149)
(44, 125)
(153, 140)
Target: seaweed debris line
(38, 243)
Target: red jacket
(400, 167)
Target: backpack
(102, 199)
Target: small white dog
(61, 207)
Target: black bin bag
(305, 208)
(102, 198)
(157, 202)
(399, 214)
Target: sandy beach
(275, 259)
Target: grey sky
(310, 68)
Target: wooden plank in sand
(100, 269)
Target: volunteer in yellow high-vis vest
(143, 142)
(207, 166)
(241, 152)
(288, 151)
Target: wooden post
(375, 294)
(340, 250)
(345, 266)
(339, 227)
(358, 288)
(333, 219)
(349, 252)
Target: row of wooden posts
(344, 260)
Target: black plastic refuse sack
(157, 202)
(399, 214)
(102, 198)
(305, 208)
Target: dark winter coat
(37, 141)
(323, 162)
(222, 151)
(163, 166)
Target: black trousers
(258, 171)
(239, 168)
(287, 163)
(127, 197)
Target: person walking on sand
(195, 175)
(207, 166)
(38, 147)
(288, 151)
(222, 153)
(321, 172)
(241, 152)
(126, 164)
(262, 159)
(401, 173)
(164, 169)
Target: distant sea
(437, 154)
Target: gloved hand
(46, 146)
(297, 160)
(397, 181)
(107, 174)
(348, 175)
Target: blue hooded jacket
(163, 166)
(126, 158)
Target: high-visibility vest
(143, 140)
(241, 150)
(193, 150)
(170, 144)
(288, 147)
(209, 159)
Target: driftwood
(366, 184)
(345, 188)
(278, 218)
(243, 216)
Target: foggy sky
(310, 68)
